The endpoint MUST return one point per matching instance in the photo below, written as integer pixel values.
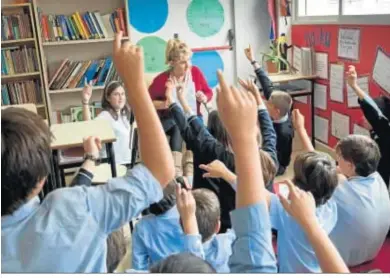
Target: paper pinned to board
(336, 82)
(352, 98)
(357, 129)
(349, 43)
(321, 129)
(381, 72)
(297, 58)
(320, 96)
(340, 125)
(321, 65)
(302, 99)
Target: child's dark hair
(207, 212)
(361, 151)
(25, 156)
(216, 128)
(182, 263)
(111, 87)
(316, 172)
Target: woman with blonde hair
(181, 75)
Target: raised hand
(201, 97)
(352, 76)
(238, 111)
(250, 86)
(298, 120)
(86, 94)
(215, 169)
(249, 53)
(92, 145)
(187, 207)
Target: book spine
(82, 26)
(77, 26)
(74, 27)
(69, 28)
(95, 25)
(120, 13)
(99, 19)
(88, 23)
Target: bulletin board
(324, 38)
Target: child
(67, 232)
(377, 112)
(363, 203)
(315, 173)
(182, 263)
(117, 112)
(279, 104)
(159, 234)
(206, 149)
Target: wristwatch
(93, 158)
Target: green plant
(273, 57)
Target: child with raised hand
(67, 232)
(279, 104)
(377, 113)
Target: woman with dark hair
(117, 112)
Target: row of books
(73, 74)
(15, 27)
(21, 92)
(75, 113)
(90, 25)
(18, 59)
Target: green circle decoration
(154, 53)
(205, 17)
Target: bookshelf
(53, 53)
(25, 95)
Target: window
(342, 11)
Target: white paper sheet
(297, 58)
(381, 73)
(321, 129)
(357, 129)
(302, 99)
(320, 96)
(340, 125)
(322, 65)
(336, 82)
(352, 97)
(349, 43)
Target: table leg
(111, 158)
(313, 141)
(56, 170)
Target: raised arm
(155, 152)
(299, 126)
(252, 250)
(86, 95)
(301, 206)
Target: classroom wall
(371, 38)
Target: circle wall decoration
(148, 20)
(209, 62)
(205, 17)
(154, 53)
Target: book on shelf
(81, 26)
(21, 92)
(18, 59)
(73, 74)
(15, 26)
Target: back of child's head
(216, 128)
(361, 151)
(316, 172)
(281, 101)
(116, 250)
(383, 103)
(268, 167)
(167, 202)
(25, 156)
(208, 212)
(182, 263)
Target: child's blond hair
(176, 50)
(282, 101)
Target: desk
(284, 78)
(71, 135)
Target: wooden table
(70, 135)
(284, 78)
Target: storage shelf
(73, 90)
(17, 42)
(21, 76)
(59, 43)
(12, 6)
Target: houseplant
(273, 60)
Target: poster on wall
(320, 93)
(349, 43)
(340, 125)
(321, 129)
(381, 72)
(322, 65)
(357, 129)
(352, 98)
(336, 82)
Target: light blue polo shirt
(363, 207)
(68, 231)
(295, 253)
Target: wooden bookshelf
(27, 7)
(53, 53)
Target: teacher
(181, 75)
